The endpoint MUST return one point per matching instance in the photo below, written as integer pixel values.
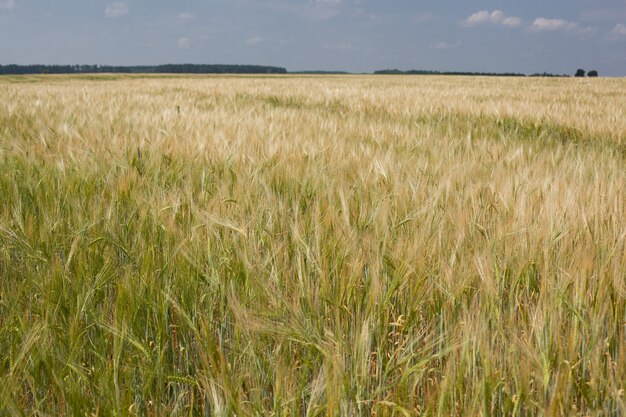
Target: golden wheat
(352, 245)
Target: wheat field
(312, 246)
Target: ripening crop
(312, 246)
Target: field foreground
(302, 246)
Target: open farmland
(309, 246)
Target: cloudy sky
(353, 35)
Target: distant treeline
(221, 69)
(483, 74)
(547, 74)
(320, 72)
(141, 69)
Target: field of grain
(312, 246)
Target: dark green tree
(580, 73)
(592, 73)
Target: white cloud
(7, 4)
(619, 30)
(186, 16)
(184, 43)
(445, 45)
(496, 17)
(116, 9)
(512, 21)
(254, 40)
(549, 25)
(542, 24)
(618, 33)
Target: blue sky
(352, 35)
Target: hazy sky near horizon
(527, 36)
